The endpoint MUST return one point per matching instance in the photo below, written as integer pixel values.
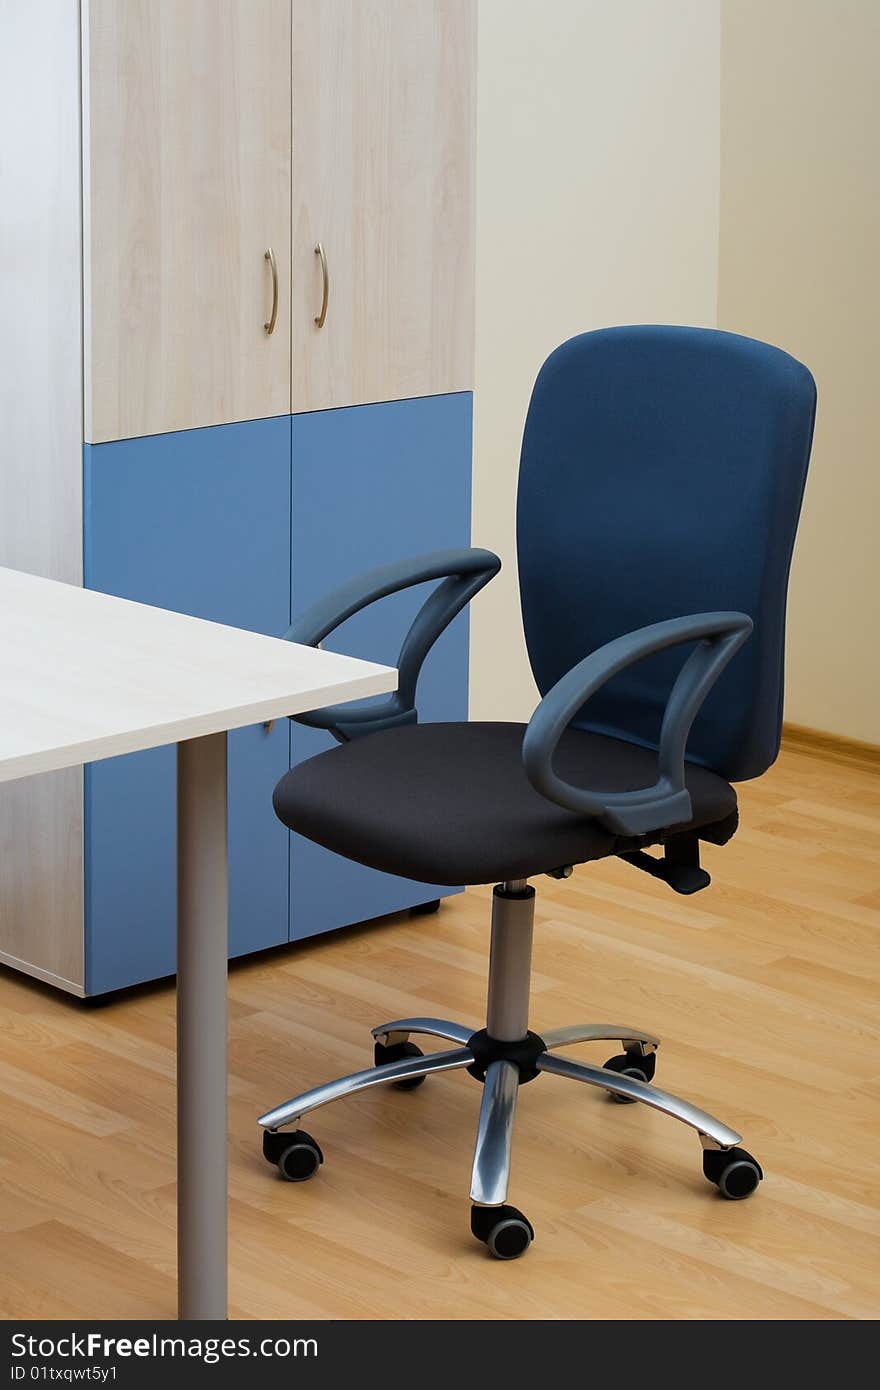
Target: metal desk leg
(201, 1027)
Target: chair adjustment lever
(679, 867)
(564, 871)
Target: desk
(86, 676)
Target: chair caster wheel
(395, 1053)
(296, 1154)
(634, 1065)
(504, 1230)
(425, 909)
(734, 1172)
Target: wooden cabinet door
(383, 175)
(373, 484)
(186, 154)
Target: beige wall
(597, 203)
(800, 242)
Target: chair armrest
(668, 802)
(463, 574)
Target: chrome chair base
(504, 1056)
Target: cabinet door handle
(273, 266)
(325, 275)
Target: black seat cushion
(451, 803)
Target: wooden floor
(764, 990)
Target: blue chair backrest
(662, 473)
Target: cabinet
(161, 444)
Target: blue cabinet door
(371, 484)
(197, 521)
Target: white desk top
(86, 676)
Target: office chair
(660, 484)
